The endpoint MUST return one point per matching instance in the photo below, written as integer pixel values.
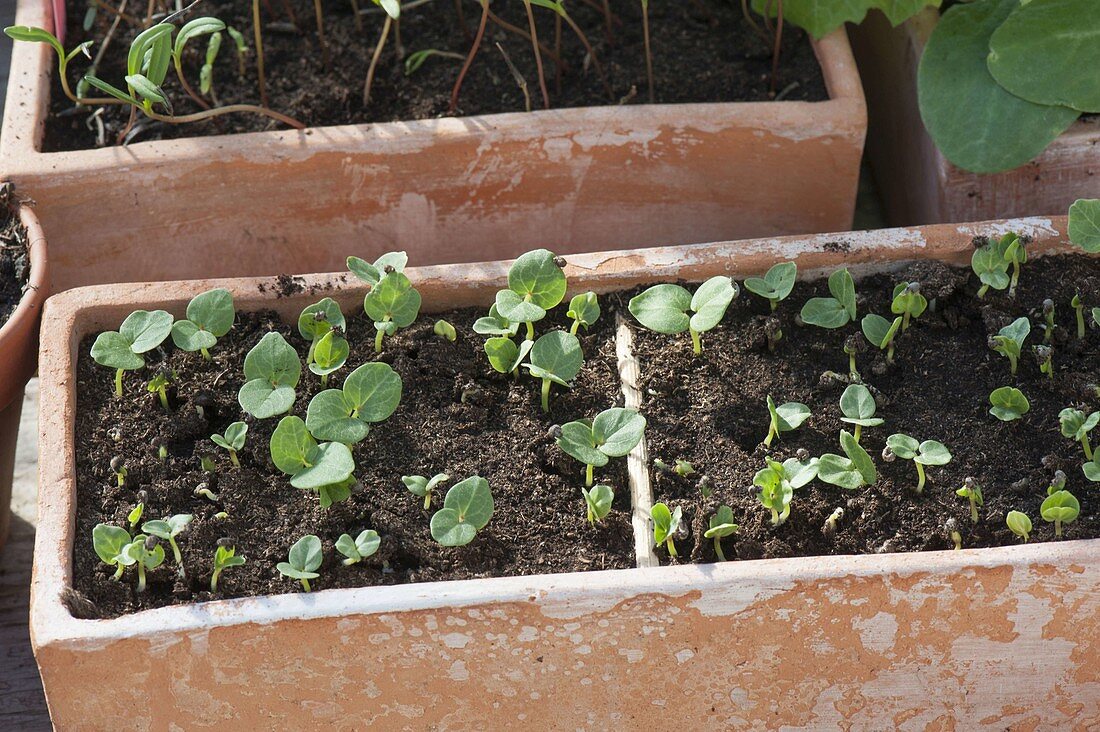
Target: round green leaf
(189, 337)
(109, 541)
(262, 400)
(514, 308)
(878, 330)
(1092, 470)
(662, 308)
(274, 361)
(305, 555)
(393, 298)
(1008, 403)
(791, 416)
(578, 442)
(1084, 224)
(328, 417)
(858, 405)
(1060, 506)
(504, 355)
(777, 284)
(449, 529)
(839, 471)
(311, 328)
(977, 123)
(146, 330)
(933, 453)
(113, 350)
(494, 324)
(710, 301)
(535, 275)
(556, 356)
(584, 308)
(373, 390)
(467, 508)
(291, 445)
(904, 446)
(212, 311)
(861, 461)
(799, 473)
(824, 312)
(617, 431)
(329, 464)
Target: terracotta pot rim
(30, 305)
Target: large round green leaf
(975, 122)
(113, 350)
(537, 275)
(617, 431)
(556, 356)
(373, 390)
(662, 308)
(578, 442)
(146, 330)
(328, 417)
(710, 301)
(330, 463)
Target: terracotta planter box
(19, 358)
(447, 190)
(998, 638)
(919, 185)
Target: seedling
(1048, 319)
(505, 356)
(141, 332)
(466, 510)
(1044, 357)
(536, 283)
(1057, 483)
(1061, 507)
(118, 467)
(420, 486)
(359, 548)
(858, 407)
(232, 440)
(853, 344)
(850, 471)
(135, 513)
(613, 433)
(393, 303)
(167, 530)
(951, 531)
(836, 311)
(370, 394)
(584, 309)
(598, 501)
(555, 358)
(682, 468)
(392, 9)
(1008, 403)
(1019, 524)
(206, 73)
(317, 320)
(721, 526)
(305, 558)
(829, 528)
(224, 558)
(159, 385)
(776, 285)
(924, 453)
(773, 331)
(664, 308)
(1079, 313)
(991, 268)
(784, 418)
(325, 468)
(1009, 341)
(372, 274)
(209, 317)
(494, 324)
(908, 302)
(271, 371)
(1076, 426)
(1012, 249)
(443, 329)
(881, 332)
(330, 353)
(973, 493)
(1091, 470)
(665, 525)
(778, 481)
(109, 543)
(202, 490)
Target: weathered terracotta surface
(977, 639)
(919, 185)
(448, 190)
(19, 358)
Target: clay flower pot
(19, 358)
(973, 637)
(446, 190)
(918, 184)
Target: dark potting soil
(456, 416)
(712, 412)
(703, 51)
(15, 264)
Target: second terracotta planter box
(998, 638)
(447, 190)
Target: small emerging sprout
(1060, 507)
(784, 418)
(1048, 319)
(359, 548)
(836, 311)
(908, 302)
(665, 525)
(880, 333)
(681, 468)
(420, 486)
(466, 510)
(858, 407)
(773, 331)
(317, 320)
(850, 471)
(1009, 403)
(830, 527)
(1076, 426)
(853, 344)
(167, 530)
(118, 467)
(1057, 483)
(1079, 313)
(305, 558)
(207, 464)
(1019, 524)
(330, 353)
(224, 557)
(555, 358)
(162, 452)
(1009, 341)
(776, 285)
(271, 371)
(664, 308)
(721, 526)
(973, 493)
(584, 309)
(159, 385)
(443, 329)
(613, 433)
(233, 440)
(135, 514)
(1044, 357)
(924, 453)
(505, 356)
(203, 491)
(1013, 252)
(951, 531)
(991, 267)
(598, 502)
(393, 303)
(141, 332)
(778, 482)
(209, 317)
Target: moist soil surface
(456, 416)
(15, 265)
(711, 411)
(703, 51)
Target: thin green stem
(205, 354)
(852, 366)
(118, 382)
(141, 577)
(982, 290)
(718, 549)
(696, 343)
(176, 552)
(374, 59)
(973, 510)
(859, 432)
(118, 572)
(1011, 363)
(378, 341)
(324, 379)
(427, 500)
(573, 328)
(214, 579)
(671, 547)
(163, 395)
(233, 459)
(1080, 322)
(1058, 527)
(1087, 446)
(905, 321)
(588, 477)
(546, 395)
(530, 331)
(920, 477)
(1015, 278)
(773, 432)
(305, 584)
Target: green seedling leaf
(880, 333)
(420, 486)
(995, 130)
(271, 371)
(854, 470)
(224, 558)
(305, 559)
(665, 525)
(908, 302)
(991, 268)
(776, 285)
(1009, 341)
(167, 530)
(109, 542)
(536, 278)
(1060, 507)
(209, 317)
(373, 273)
(836, 311)
(1084, 227)
(924, 453)
(232, 440)
(329, 354)
(392, 303)
(1019, 524)
(784, 418)
(858, 407)
(1077, 426)
(495, 324)
(555, 358)
(775, 493)
(443, 329)
(466, 510)
(664, 308)
(1091, 470)
(195, 29)
(311, 466)
(584, 309)
(359, 548)
(598, 501)
(142, 331)
(613, 433)
(504, 355)
(371, 393)
(319, 318)
(1008, 403)
(822, 18)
